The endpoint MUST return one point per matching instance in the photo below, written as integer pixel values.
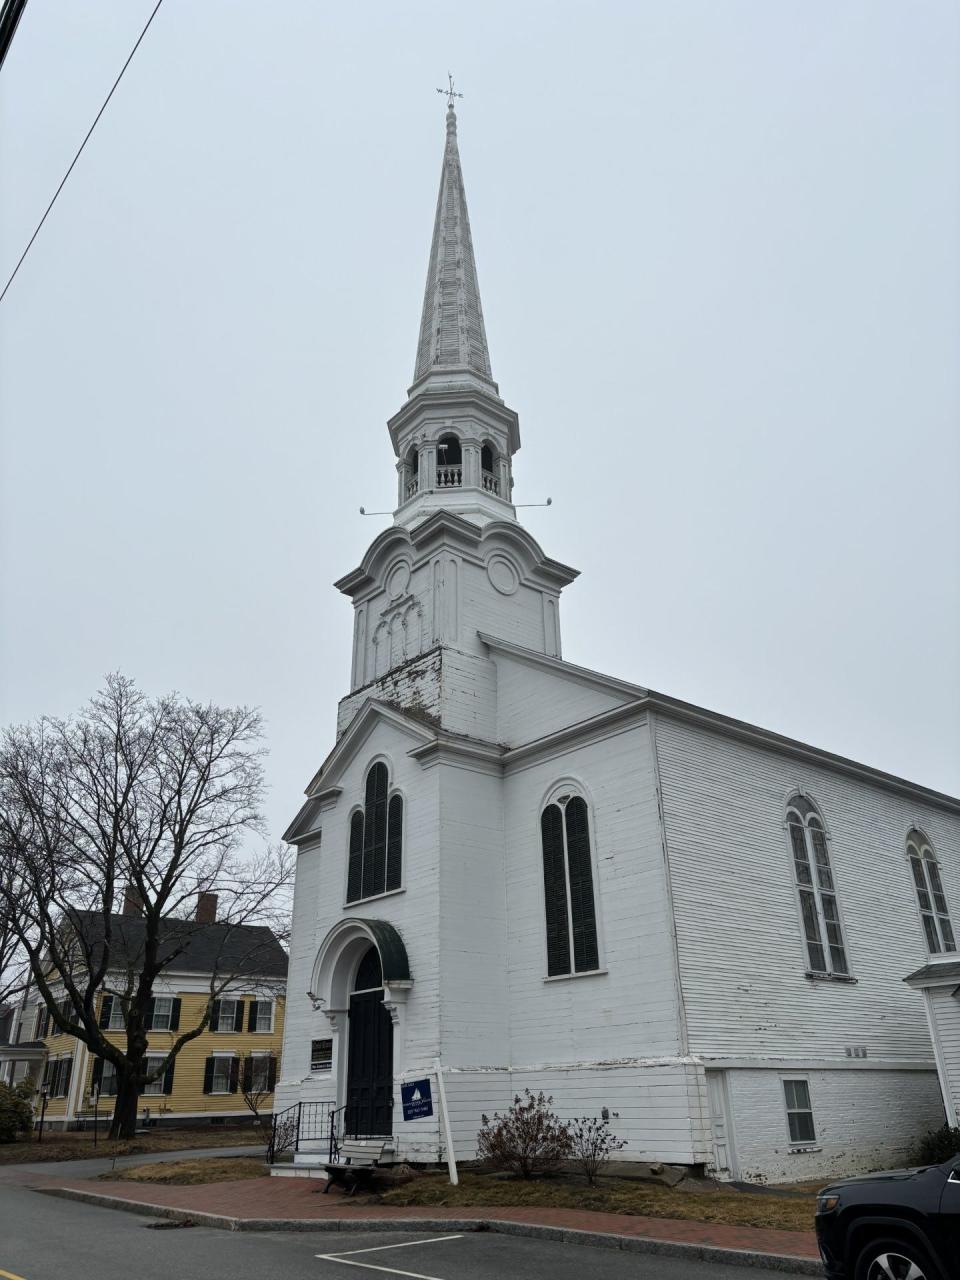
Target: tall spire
(451, 329)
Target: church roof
(452, 334)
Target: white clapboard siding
(741, 952)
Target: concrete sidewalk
(280, 1204)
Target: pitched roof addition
(451, 329)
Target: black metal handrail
(303, 1122)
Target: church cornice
(644, 701)
(442, 404)
(448, 531)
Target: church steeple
(454, 438)
(452, 333)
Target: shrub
(16, 1111)
(529, 1139)
(592, 1144)
(937, 1146)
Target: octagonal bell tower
(454, 438)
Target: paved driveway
(46, 1238)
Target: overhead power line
(63, 181)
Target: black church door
(369, 1055)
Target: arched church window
(369, 971)
(375, 857)
(449, 462)
(822, 930)
(488, 477)
(568, 887)
(412, 472)
(934, 911)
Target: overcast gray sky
(717, 248)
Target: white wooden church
(553, 879)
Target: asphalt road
(45, 1238)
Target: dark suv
(901, 1225)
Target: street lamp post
(44, 1094)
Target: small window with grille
(799, 1111)
(934, 912)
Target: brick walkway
(296, 1198)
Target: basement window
(799, 1111)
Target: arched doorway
(369, 1054)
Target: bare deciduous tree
(258, 1077)
(148, 797)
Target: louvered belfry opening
(571, 921)
(376, 840)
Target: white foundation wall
(945, 1015)
(659, 1106)
(629, 1010)
(742, 955)
(864, 1120)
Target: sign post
(417, 1099)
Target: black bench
(357, 1165)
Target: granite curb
(501, 1226)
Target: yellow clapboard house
(237, 1054)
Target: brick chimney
(132, 901)
(206, 908)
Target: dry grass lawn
(191, 1173)
(613, 1195)
(79, 1146)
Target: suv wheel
(894, 1260)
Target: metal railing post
(296, 1141)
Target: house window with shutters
(111, 1014)
(260, 1073)
(934, 912)
(568, 895)
(375, 857)
(56, 1076)
(819, 911)
(221, 1073)
(260, 1017)
(105, 1078)
(154, 1088)
(227, 1015)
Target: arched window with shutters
(819, 912)
(375, 856)
(571, 919)
(934, 912)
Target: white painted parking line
(346, 1258)
(376, 1248)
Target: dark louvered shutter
(555, 891)
(355, 864)
(168, 1077)
(252, 1018)
(47, 1073)
(175, 1014)
(215, 1016)
(375, 832)
(247, 1075)
(208, 1075)
(97, 1078)
(394, 842)
(148, 1017)
(238, 1016)
(582, 909)
(106, 1011)
(66, 1068)
(272, 1075)
(234, 1074)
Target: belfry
(551, 879)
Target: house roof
(246, 950)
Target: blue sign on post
(417, 1100)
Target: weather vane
(450, 91)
